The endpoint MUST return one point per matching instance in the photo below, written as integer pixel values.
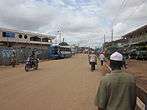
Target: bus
(65, 51)
(59, 52)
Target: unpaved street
(138, 69)
(64, 84)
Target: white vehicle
(65, 51)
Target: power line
(123, 4)
(136, 8)
(133, 13)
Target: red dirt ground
(139, 70)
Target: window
(8, 34)
(25, 36)
(20, 36)
(31, 38)
(35, 38)
(65, 49)
(44, 39)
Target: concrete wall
(21, 54)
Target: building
(118, 43)
(14, 38)
(137, 36)
(130, 42)
(23, 43)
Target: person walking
(102, 57)
(117, 90)
(92, 60)
(13, 58)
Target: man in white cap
(117, 90)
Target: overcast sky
(80, 21)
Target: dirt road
(64, 84)
(138, 69)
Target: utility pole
(104, 38)
(63, 39)
(60, 30)
(60, 36)
(104, 42)
(112, 34)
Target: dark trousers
(102, 62)
(92, 65)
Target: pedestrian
(101, 57)
(92, 60)
(13, 58)
(117, 90)
(124, 63)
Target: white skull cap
(116, 56)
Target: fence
(21, 54)
(141, 98)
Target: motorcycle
(31, 65)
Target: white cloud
(120, 28)
(82, 21)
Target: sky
(83, 22)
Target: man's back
(92, 58)
(117, 91)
